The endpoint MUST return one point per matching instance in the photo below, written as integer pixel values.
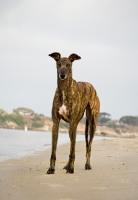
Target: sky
(103, 32)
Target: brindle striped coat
(70, 101)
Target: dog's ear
(55, 55)
(73, 57)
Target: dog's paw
(70, 171)
(88, 167)
(65, 167)
(50, 171)
(68, 168)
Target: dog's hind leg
(91, 128)
(55, 128)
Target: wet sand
(114, 174)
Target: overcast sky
(103, 32)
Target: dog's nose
(62, 76)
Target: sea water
(16, 144)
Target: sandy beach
(114, 174)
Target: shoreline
(113, 175)
(101, 131)
(20, 144)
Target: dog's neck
(65, 85)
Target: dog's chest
(63, 108)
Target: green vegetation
(2, 112)
(36, 121)
(2, 120)
(37, 125)
(103, 118)
(129, 120)
(103, 134)
(23, 110)
(113, 123)
(63, 124)
(41, 115)
(36, 118)
(18, 119)
(22, 117)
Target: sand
(114, 174)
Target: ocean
(15, 144)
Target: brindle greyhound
(70, 101)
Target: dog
(70, 102)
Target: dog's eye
(59, 64)
(68, 65)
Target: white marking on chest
(63, 109)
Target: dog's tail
(86, 132)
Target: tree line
(103, 119)
(18, 117)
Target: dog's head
(64, 65)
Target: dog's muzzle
(62, 76)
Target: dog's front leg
(72, 134)
(55, 128)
